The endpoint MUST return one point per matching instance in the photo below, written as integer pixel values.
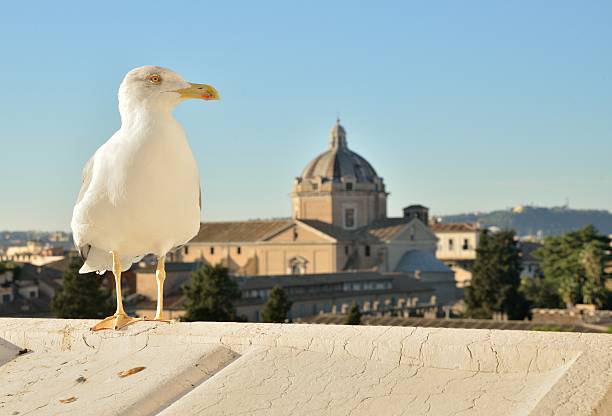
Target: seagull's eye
(154, 79)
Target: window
(349, 218)
(297, 265)
(346, 250)
(450, 244)
(32, 295)
(349, 186)
(239, 250)
(212, 250)
(186, 250)
(466, 244)
(367, 251)
(315, 186)
(6, 298)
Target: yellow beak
(201, 91)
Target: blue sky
(460, 106)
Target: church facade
(339, 223)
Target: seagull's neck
(145, 116)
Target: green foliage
(540, 292)
(277, 307)
(496, 278)
(551, 328)
(354, 315)
(574, 264)
(211, 295)
(81, 296)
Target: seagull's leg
(160, 275)
(120, 318)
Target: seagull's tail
(100, 261)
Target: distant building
(339, 246)
(374, 292)
(339, 223)
(457, 243)
(19, 294)
(529, 263)
(33, 252)
(6, 287)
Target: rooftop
(440, 227)
(262, 230)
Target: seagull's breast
(145, 190)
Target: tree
(354, 315)
(81, 295)
(277, 307)
(211, 295)
(496, 278)
(540, 292)
(575, 264)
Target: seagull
(140, 191)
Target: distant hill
(536, 220)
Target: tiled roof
(453, 227)
(268, 282)
(337, 233)
(239, 231)
(386, 229)
(252, 231)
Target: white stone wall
(271, 369)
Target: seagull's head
(160, 88)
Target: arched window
(297, 265)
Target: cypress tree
(277, 307)
(496, 278)
(81, 295)
(211, 295)
(354, 315)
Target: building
(33, 252)
(402, 294)
(20, 294)
(530, 265)
(338, 223)
(457, 243)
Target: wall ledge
(210, 368)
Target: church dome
(338, 161)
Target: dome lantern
(337, 136)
